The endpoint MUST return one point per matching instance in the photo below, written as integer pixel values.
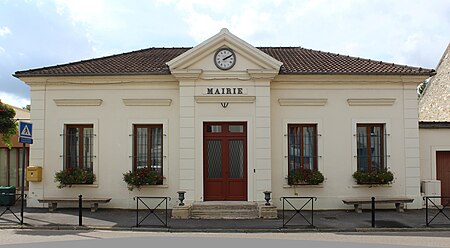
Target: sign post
(25, 137)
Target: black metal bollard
(373, 211)
(80, 210)
(426, 211)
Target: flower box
(71, 176)
(305, 177)
(141, 177)
(382, 176)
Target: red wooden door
(443, 174)
(225, 161)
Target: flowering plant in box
(141, 176)
(380, 176)
(305, 176)
(70, 176)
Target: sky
(38, 33)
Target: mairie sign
(25, 132)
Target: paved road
(82, 238)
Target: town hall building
(227, 121)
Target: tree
(8, 125)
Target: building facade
(225, 121)
(434, 131)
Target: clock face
(224, 58)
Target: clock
(224, 58)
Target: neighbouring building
(11, 159)
(227, 121)
(434, 131)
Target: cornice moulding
(187, 73)
(302, 101)
(78, 102)
(371, 101)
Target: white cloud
(381, 30)
(14, 100)
(4, 31)
(84, 11)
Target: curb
(222, 230)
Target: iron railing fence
(437, 209)
(295, 211)
(17, 197)
(155, 207)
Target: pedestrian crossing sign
(25, 129)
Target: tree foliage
(8, 125)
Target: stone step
(224, 210)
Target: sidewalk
(335, 221)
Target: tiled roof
(296, 60)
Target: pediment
(199, 61)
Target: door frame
(433, 151)
(199, 188)
(225, 181)
(443, 200)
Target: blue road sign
(25, 140)
(25, 130)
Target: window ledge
(83, 186)
(287, 186)
(371, 185)
(154, 186)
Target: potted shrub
(306, 177)
(70, 176)
(381, 176)
(142, 176)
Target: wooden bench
(357, 202)
(53, 202)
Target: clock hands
(227, 57)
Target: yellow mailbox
(34, 173)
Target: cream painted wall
(112, 121)
(267, 125)
(336, 121)
(431, 141)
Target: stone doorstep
(224, 210)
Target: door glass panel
(236, 158)
(214, 128)
(214, 158)
(236, 128)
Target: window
(370, 147)
(79, 151)
(11, 166)
(148, 147)
(302, 147)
